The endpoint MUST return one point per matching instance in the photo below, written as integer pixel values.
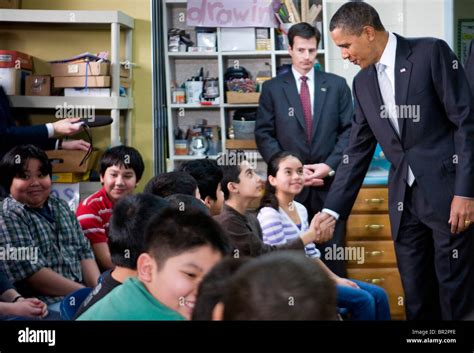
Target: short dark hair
(230, 164)
(127, 227)
(208, 175)
(181, 202)
(213, 286)
(303, 30)
(125, 156)
(171, 233)
(283, 285)
(353, 16)
(166, 184)
(13, 164)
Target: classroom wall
(67, 42)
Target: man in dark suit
(311, 118)
(469, 65)
(412, 96)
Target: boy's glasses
(87, 130)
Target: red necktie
(306, 103)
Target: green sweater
(130, 301)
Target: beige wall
(50, 42)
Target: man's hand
(66, 127)
(324, 225)
(80, 145)
(314, 174)
(462, 214)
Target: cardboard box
(10, 4)
(67, 161)
(80, 81)
(38, 85)
(15, 59)
(13, 81)
(79, 69)
(124, 72)
(236, 97)
(70, 177)
(125, 82)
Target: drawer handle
(375, 280)
(375, 200)
(375, 253)
(374, 226)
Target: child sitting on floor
(283, 219)
(181, 247)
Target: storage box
(67, 161)
(13, 81)
(15, 59)
(124, 72)
(236, 97)
(37, 85)
(79, 69)
(10, 4)
(237, 39)
(80, 81)
(87, 92)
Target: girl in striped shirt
(282, 219)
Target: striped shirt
(94, 215)
(278, 228)
(60, 245)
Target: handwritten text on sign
(231, 13)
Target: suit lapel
(320, 89)
(402, 78)
(293, 98)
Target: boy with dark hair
(181, 247)
(121, 168)
(182, 202)
(279, 286)
(241, 185)
(213, 286)
(126, 242)
(208, 175)
(166, 184)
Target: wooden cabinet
(368, 229)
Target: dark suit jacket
(425, 77)
(11, 135)
(276, 129)
(470, 66)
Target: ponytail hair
(269, 198)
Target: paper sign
(231, 13)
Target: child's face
(33, 188)
(119, 182)
(250, 185)
(175, 284)
(289, 178)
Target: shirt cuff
(50, 128)
(465, 197)
(331, 213)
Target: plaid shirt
(61, 245)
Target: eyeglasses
(87, 130)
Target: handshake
(320, 230)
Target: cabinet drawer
(371, 199)
(378, 253)
(368, 226)
(388, 279)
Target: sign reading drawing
(231, 13)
